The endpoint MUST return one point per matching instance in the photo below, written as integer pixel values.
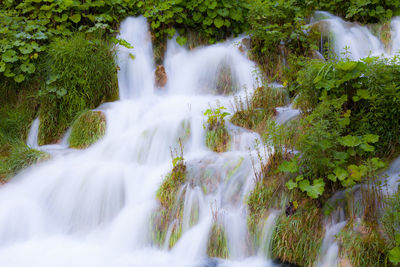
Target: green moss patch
(87, 129)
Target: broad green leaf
(75, 18)
(289, 166)
(371, 138)
(341, 173)
(317, 189)
(394, 255)
(197, 16)
(19, 78)
(219, 22)
(10, 56)
(350, 141)
(332, 177)
(367, 148)
(223, 12)
(304, 185)
(181, 40)
(26, 49)
(299, 178)
(347, 65)
(28, 67)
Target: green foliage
(87, 129)
(372, 90)
(27, 27)
(212, 19)
(217, 136)
(278, 30)
(365, 11)
(298, 238)
(82, 75)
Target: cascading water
(355, 41)
(93, 207)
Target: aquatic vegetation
(87, 129)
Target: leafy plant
(217, 136)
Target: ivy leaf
(19, 78)
(223, 12)
(28, 67)
(10, 56)
(350, 141)
(75, 18)
(219, 22)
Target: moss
(87, 129)
(297, 238)
(82, 74)
(171, 208)
(217, 246)
(362, 245)
(20, 157)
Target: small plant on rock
(217, 136)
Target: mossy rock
(297, 238)
(87, 129)
(20, 157)
(362, 245)
(217, 246)
(226, 81)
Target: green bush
(217, 246)
(87, 129)
(217, 136)
(82, 75)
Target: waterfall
(355, 41)
(93, 207)
(32, 140)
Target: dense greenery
(217, 136)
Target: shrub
(217, 136)
(82, 75)
(87, 129)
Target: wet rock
(290, 209)
(161, 76)
(226, 82)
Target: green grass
(297, 239)
(217, 139)
(20, 157)
(362, 245)
(217, 246)
(87, 129)
(82, 74)
(171, 208)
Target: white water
(32, 140)
(93, 207)
(359, 40)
